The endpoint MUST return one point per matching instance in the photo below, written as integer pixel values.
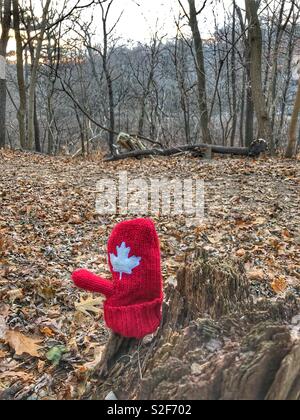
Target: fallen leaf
(98, 356)
(41, 366)
(2, 244)
(240, 223)
(89, 305)
(279, 285)
(2, 354)
(25, 376)
(15, 294)
(75, 220)
(256, 274)
(286, 233)
(47, 332)
(23, 344)
(259, 221)
(241, 253)
(4, 310)
(46, 292)
(215, 239)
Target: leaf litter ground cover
(52, 335)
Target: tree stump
(129, 143)
(214, 343)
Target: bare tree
(233, 76)
(20, 75)
(255, 41)
(143, 65)
(249, 111)
(274, 91)
(181, 67)
(33, 78)
(75, 84)
(149, 82)
(105, 51)
(288, 72)
(291, 149)
(200, 67)
(5, 23)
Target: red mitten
(134, 296)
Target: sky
(142, 18)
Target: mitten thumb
(88, 281)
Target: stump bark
(214, 343)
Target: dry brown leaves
(49, 227)
(22, 344)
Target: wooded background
(72, 84)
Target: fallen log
(154, 152)
(202, 150)
(214, 343)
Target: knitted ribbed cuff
(134, 321)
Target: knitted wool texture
(133, 306)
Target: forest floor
(51, 334)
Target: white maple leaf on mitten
(122, 263)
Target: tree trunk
(242, 112)
(33, 79)
(111, 110)
(146, 92)
(291, 149)
(233, 78)
(281, 30)
(108, 77)
(202, 98)
(288, 71)
(255, 40)
(50, 117)
(37, 140)
(80, 124)
(249, 115)
(142, 116)
(274, 74)
(20, 76)
(249, 124)
(5, 23)
(214, 343)
(181, 71)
